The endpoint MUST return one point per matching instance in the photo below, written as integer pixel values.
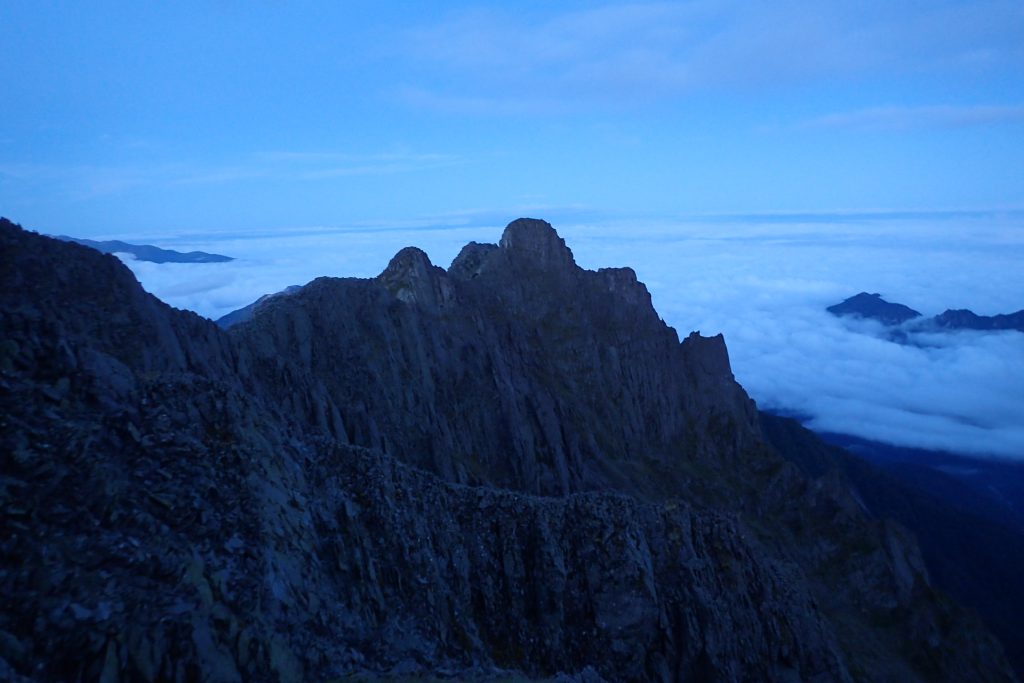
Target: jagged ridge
(180, 503)
(515, 368)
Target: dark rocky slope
(971, 538)
(277, 504)
(515, 368)
(246, 313)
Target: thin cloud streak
(905, 117)
(339, 157)
(445, 102)
(649, 51)
(83, 182)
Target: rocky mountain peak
(623, 283)
(411, 277)
(352, 487)
(709, 354)
(536, 241)
(470, 261)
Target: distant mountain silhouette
(873, 306)
(964, 319)
(147, 252)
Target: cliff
(515, 368)
(509, 466)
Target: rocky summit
(511, 469)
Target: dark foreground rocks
(511, 469)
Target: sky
(753, 161)
(129, 117)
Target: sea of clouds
(762, 281)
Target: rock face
(516, 368)
(971, 540)
(873, 306)
(246, 313)
(509, 466)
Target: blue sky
(146, 118)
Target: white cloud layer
(762, 282)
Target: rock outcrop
(510, 466)
(516, 368)
(246, 313)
